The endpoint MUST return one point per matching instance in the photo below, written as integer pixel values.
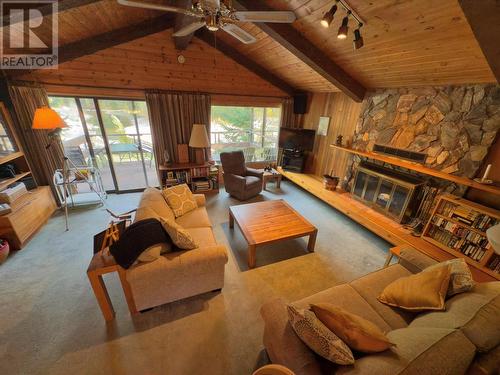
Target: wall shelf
(421, 169)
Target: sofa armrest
(254, 172)
(200, 199)
(414, 260)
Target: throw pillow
(423, 291)
(180, 236)
(461, 278)
(135, 239)
(154, 252)
(319, 338)
(357, 332)
(180, 199)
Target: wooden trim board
(372, 220)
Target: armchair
(239, 181)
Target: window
(113, 135)
(254, 130)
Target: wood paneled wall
(343, 113)
(151, 63)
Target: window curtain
(171, 116)
(288, 118)
(43, 161)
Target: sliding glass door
(113, 135)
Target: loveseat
(179, 274)
(463, 338)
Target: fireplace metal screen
(386, 190)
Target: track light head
(344, 28)
(358, 39)
(328, 17)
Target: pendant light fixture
(344, 28)
(358, 39)
(328, 17)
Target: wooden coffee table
(267, 222)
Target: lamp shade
(493, 235)
(48, 119)
(199, 137)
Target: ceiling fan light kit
(327, 20)
(215, 15)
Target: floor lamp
(47, 119)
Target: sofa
(240, 181)
(462, 339)
(180, 274)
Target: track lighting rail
(353, 14)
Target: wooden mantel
(422, 169)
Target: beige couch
(180, 274)
(463, 338)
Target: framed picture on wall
(324, 123)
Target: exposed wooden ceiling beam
(298, 45)
(484, 19)
(181, 20)
(209, 38)
(109, 39)
(48, 9)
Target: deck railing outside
(256, 145)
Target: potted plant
(4, 250)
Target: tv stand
(293, 160)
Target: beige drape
(43, 161)
(288, 118)
(172, 115)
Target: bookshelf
(459, 226)
(201, 178)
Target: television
(297, 139)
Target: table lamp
(199, 141)
(493, 234)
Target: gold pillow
(180, 199)
(423, 291)
(319, 338)
(357, 332)
(460, 279)
(180, 236)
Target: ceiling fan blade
(271, 17)
(191, 28)
(165, 8)
(239, 33)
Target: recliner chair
(239, 181)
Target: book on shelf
(494, 264)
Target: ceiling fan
(217, 14)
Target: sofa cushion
(203, 236)
(358, 333)
(318, 337)
(347, 298)
(179, 235)
(422, 291)
(180, 199)
(152, 198)
(195, 219)
(370, 286)
(476, 313)
(154, 252)
(418, 351)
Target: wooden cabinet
(31, 210)
(29, 213)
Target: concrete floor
(50, 322)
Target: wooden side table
(270, 176)
(99, 266)
(393, 251)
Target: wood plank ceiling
(407, 43)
